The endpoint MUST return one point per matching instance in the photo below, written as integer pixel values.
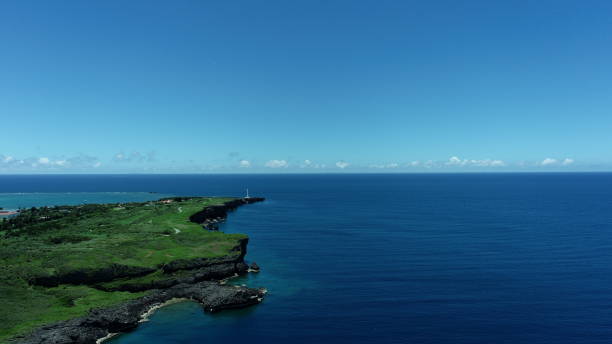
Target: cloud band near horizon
(135, 162)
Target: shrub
(68, 238)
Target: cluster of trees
(35, 220)
(27, 217)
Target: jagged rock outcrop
(190, 264)
(204, 273)
(99, 323)
(220, 211)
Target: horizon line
(303, 173)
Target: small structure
(166, 201)
(247, 194)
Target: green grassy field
(64, 239)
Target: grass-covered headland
(57, 263)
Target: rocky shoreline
(202, 280)
(100, 323)
(210, 217)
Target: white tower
(247, 195)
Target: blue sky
(305, 86)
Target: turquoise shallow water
(16, 200)
(476, 258)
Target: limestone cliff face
(220, 211)
(196, 263)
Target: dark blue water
(465, 258)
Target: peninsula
(79, 274)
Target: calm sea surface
(440, 258)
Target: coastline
(202, 280)
(107, 337)
(144, 317)
(102, 324)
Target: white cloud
(552, 161)
(390, 165)
(79, 162)
(455, 161)
(310, 164)
(277, 164)
(135, 157)
(415, 163)
(245, 163)
(486, 163)
(342, 164)
(567, 161)
(97, 164)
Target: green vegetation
(54, 241)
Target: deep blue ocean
(395, 258)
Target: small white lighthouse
(247, 193)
